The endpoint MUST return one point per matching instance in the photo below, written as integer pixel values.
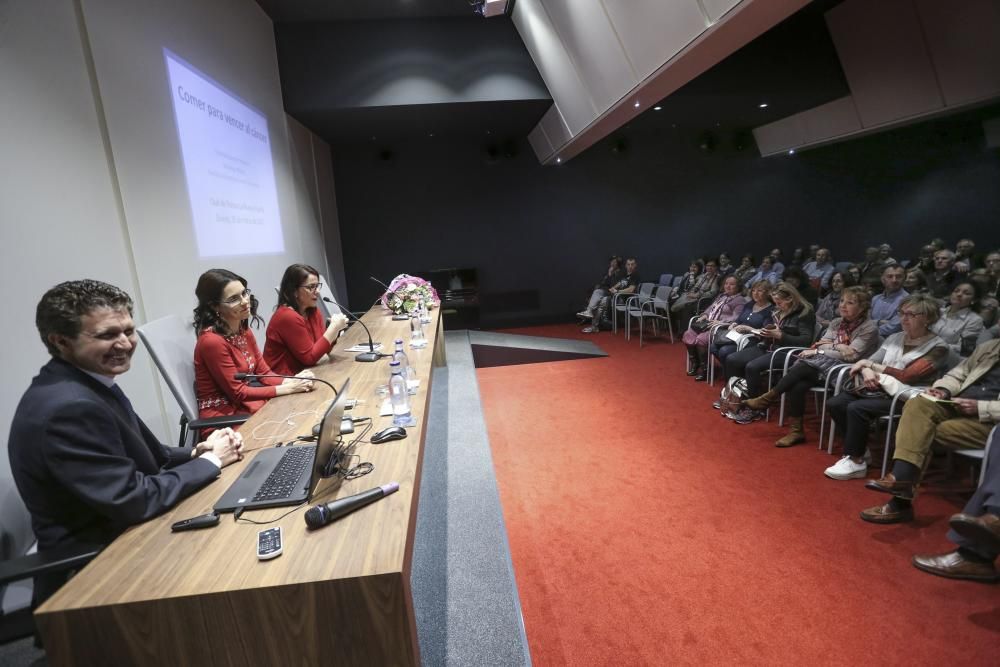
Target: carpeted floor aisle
(646, 529)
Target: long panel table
(337, 595)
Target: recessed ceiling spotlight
(791, 151)
(657, 108)
(558, 160)
(762, 105)
(636, 105)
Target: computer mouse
(387, 434)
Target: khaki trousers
(924, 422)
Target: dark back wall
(664, 199)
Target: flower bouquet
(404, 293)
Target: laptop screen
(329, 437)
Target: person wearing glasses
(913, 356)
(85, 464)
(226, 346)
(297, 337)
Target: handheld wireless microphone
(321, 515)
(250, 377)
(371, 354)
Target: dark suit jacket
(83, 470)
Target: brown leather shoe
(889, 484)
(886, 514)
(954, 566)
(982, 530)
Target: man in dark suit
(84, 463)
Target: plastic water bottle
(404, 363)
(425, 317)
(398, 396)
(417, 339)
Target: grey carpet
(535, 342)
(464, 593)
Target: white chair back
(170, 341)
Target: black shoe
(701, 375)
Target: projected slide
(227, 163)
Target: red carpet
(647, 529)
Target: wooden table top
(149, 562)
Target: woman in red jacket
(226, 346)
(296, 335)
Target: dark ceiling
(791, 68)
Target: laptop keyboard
(282, 480)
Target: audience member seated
(745, 271)
(819, 270)
(942, 279)
(226, 346)
(923, 261)
(766, 273)
(706, 286)
(601, 288)
(851, 337)
(885, 306)
(756, 314)
(915, 282)
(726, 266)
(957, 412)
(776, 256)
(871, 269)
(793, 325)
(688, 281)
(975, 531)
(885, 254)
(959, 325)
(988, 306)
(725, 309)
(989, 276)
(85, 464)
(296, 335)
(965, 259)
(829, 306)
(798, 258)
(914, 356)
(855, 271)
(627, 283)
(797, 278)
(813, 251)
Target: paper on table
(363, 347)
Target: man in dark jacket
(84, 463)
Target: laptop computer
(279, 477)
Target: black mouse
(387, 434)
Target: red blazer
(295, 342)
(216, 359)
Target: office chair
(20, 563)
(170, 341)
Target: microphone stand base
(401, 317)
(368, 356)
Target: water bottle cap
(399, 341)
(394, 363)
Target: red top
(216, 359)
(295, 342)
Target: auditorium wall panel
(658, 196)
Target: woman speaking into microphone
(225, 347)
(296, 335)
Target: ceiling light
(762, 105)
(791, 151)
(657, 108)
(558, 160)
(636, 105)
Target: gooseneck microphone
(321, 515)
(371, 354)
(250, 377)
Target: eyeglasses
(313, 288)
(237, 299)
(909, 314)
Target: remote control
(269, 543)
(203, 521)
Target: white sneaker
(845, 468)
(585, 314)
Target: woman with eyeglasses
(297, 338)
(226, 346)
(913, 356)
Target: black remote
(203, 521)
